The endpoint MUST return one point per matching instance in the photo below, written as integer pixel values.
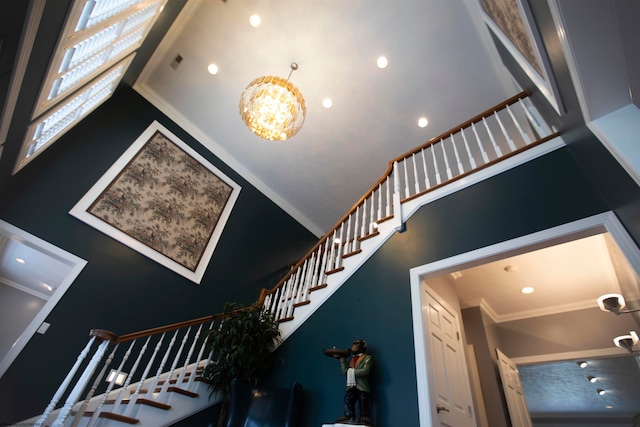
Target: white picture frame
(513, 24)
(164, 200)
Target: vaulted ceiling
(443, 65)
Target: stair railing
(500, 132)
(155, 363)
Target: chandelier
(272, 107)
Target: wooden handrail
(114, 338)
(386, 175)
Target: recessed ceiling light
(382, 62)
(592, 379)
(582, 363)
(423, 122)
(601, 392)
(527, 290)
(213, 69)
(254, 20)
(327, 103)
(21, 261)
(608, 407)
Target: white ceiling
(442, 65)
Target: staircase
(165, 361)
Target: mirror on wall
(34, 275)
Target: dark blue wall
(375, 302)
(119, 289)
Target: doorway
(34, 275)
(604, 225)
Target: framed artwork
(164, 200)
(513, 24)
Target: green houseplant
(241, 347)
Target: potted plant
(241, 347)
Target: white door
(512, 386)
(449, 388)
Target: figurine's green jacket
(361, 368)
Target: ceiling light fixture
(626, 341)
(592, 379)
(382, 62)
(601, 392)
(20, 261)
(582, 363)
(423, 122)
(527, 290)
(614, 303)
(272, 107)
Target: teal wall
(119, 289)
(375, 303)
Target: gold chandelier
(272, 107)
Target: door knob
(441, 408)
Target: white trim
(76, 264)
(34, 15)
(571, 355)
(80, 210)
(604, 222)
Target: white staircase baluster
(355, 231)
(379, 216)
(427, 183)
(134, 368)
(192, 377)
(363, 231)
(493, 140)
(525, 137)
(187, 361)
(323, 264)
(80, 412)
(407, 192)
(134, 396)
(163, 397)
(347, 242)
(387, 212)
(154, 383)
(332, 252)
(512, 146)
(455, 152)
(302, 284)
(372, 220)
(341, 246)
(74, 396)
(485, 158)
(446, 160)
(112, 383)
(65, 384)
(308, 279)
(466, 146)
(415, 174)
(317, 268)
(435, 164)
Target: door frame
(596, 224)
(76, 265)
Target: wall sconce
(626, 341)
(613, 303)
